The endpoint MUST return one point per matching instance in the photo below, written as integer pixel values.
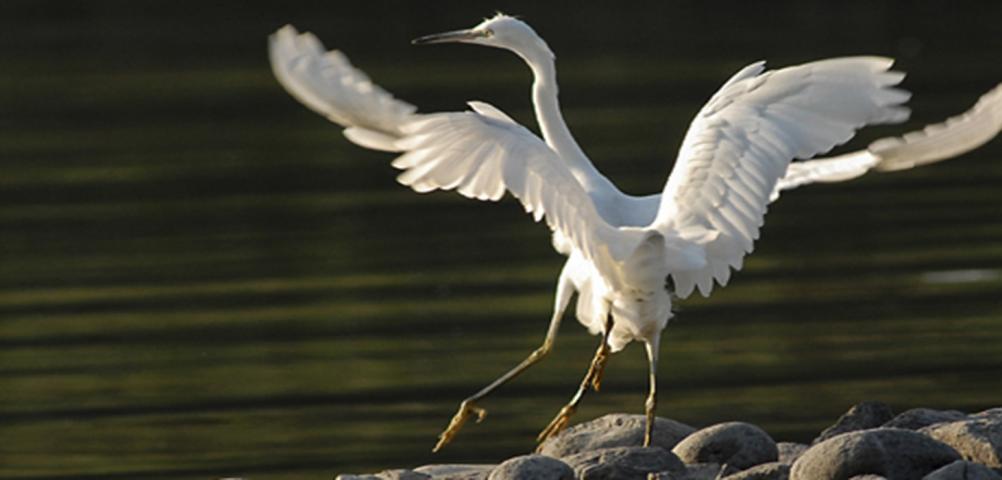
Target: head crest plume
(499, 14)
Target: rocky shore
(869, 442)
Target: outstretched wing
(481, 154)
(936, 142)
(484, 153)
(741, 143)
(328, 84)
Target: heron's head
(500, 31)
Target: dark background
(199, 277)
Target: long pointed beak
(447, 37)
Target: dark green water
(199, 278)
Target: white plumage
(483, 153)
(933, 143)
(742, 142)
(625, 252)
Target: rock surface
(736, 444)
(917, 418)
(990, 413)
(790, 451)
(614, 430)
(961, 470)
(623, 463)
(861, 416)
(978, 439)
(891, 452)
(765, 471)
(460, 471)
(695, 471)
(533, 466)
(397, 474)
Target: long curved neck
(551, 122)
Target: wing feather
(483, 154)
(743, 140)
(936, 142)
(328, 84)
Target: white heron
(629, 256)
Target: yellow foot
(466, 409)
(557, 424)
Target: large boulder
(890, 452)
(693, 471)
(765, 471)
(917, 418)
(739, 445)
(623, 463)
(397, 474)
(614, 430)
(961, 470)
(532, 467)
(862, 416)
(990, 413)
(457, 471)
(978, 438)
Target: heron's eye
(488, 33)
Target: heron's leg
(591, 378)
(650, 405)
(469, 406)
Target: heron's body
(640, 310)
(628, 257)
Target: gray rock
(398, 474)
(961, 470)
(917, 418)
(737, 444)
(623, 463)
(614, 430)
(457, 471)
(705, 471)
(695, 471)
(765, 471)
(790, 451)
(990, 413)
(868, 477)
(532, 467)
(891, 452)
(978, 439)
(861, 416)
